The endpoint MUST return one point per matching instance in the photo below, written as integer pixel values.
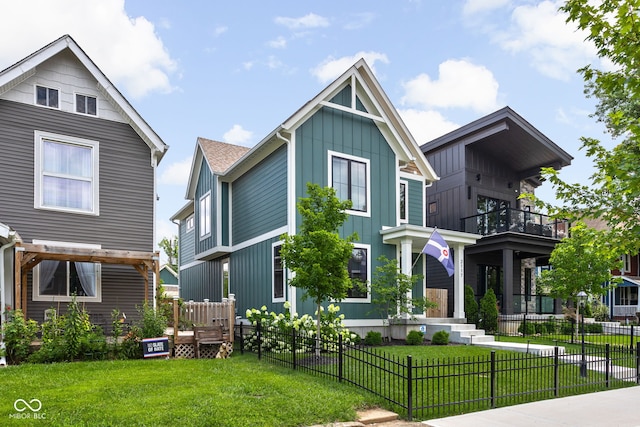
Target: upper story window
(349, 176)
(404, 216)
(66, 173)
(47, 96)
(205, 215)
(190, 223)
(86, 104)
(60, 280)
(359, 272)
(278, 274)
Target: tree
(470, 305)
(170, 248)
(489, 311)
(317, 254)
(390, 288)
(614, 191)
(582, 262)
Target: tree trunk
(318, 331)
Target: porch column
(458, 281)
(406, 255)
(507, 289)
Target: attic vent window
(86, 105)
(47, 97)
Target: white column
(458, 282)
(406, 249)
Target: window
(66, 173)
(626, 295)
(205, 215)
(626, 263)
(433, 208)
(403, 201)
(86, 104)
(59, 280)
(47, 97)
(349, 176)
(190, 223)
(278, 274)
(359, 271)
(225, 278)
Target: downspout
(2, 288)
(290, 217)
(154, 165)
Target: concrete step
(376, 416)
(539, 349)
(461, 333)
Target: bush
(440, 338)
(373, 338)
(154, 323)
(600, 312)
(470, 305)
(550, 325)
(415, 338)
(489, 312)
(529, 329)
(18, 335)
(568, 328)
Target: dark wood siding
(125, 188)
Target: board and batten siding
(415, 193)
(206, 183)
(201, 280)
(259, 198)
(186, 254)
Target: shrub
(550, 325)
(415, 338)
(567, 328)
(373, 338)
(153, 322)
(600, 312)
(76, 327)
(529, 329)
(471, 310)
(489, 312)
(440, 338)
(18, 335)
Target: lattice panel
(208, 351)
(185, 351)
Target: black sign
(154, 347)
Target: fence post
(556, 376)
(410, 388)
(524, 325)
(493, 378)
(631, 340)
(340, 358)
(293, 346)
(607, 357)
(638, 363)
(259, 339)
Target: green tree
(317, 254)
(390, 288)
(170, 248)
(489, 311)
(470, 305)
(582, 262)
(614, 191)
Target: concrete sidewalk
(615, 408)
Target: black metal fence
(434, 388)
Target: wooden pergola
(27, 256)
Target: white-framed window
(47, 97)
(360, 270)
(204, 215)
(626, 295)
(191, 222)
(277, 274)
(626, 263)
(86, 104)
(66, 173)
(225, 278)
(349, 176)
(58, 280)
(404, 201)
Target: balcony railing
(510, 220)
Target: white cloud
(126, 49)
(472, 7)
(332, 67)
(176, 173)
(238, 136)
(220, 30)
(426, 125)
(460, 84)
(310, 20)
(360, 20)
(278, 43)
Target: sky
(233, 71)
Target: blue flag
(438, 248)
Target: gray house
(77, 186)
(484, 166)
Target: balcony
(508, 220)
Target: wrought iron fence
(433, 388)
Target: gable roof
(25, 68)
(505, 135)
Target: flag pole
(422, 251)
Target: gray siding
(416, 202)
(259, 198)
(186, 252)
(125, 188)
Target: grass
(240, 391)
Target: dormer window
(47, 97)
(86, 104)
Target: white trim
(218, 210)
(270, 235)
(368, 298)
(94, 146)
(190, 228)
(274, 245)
(407, 175)
(223, 261)
(406, 202)
(86, 95)
(207, 224)
(35, 296)
(367, 162)
(191, 264)
(291, 213)
(35, 96)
